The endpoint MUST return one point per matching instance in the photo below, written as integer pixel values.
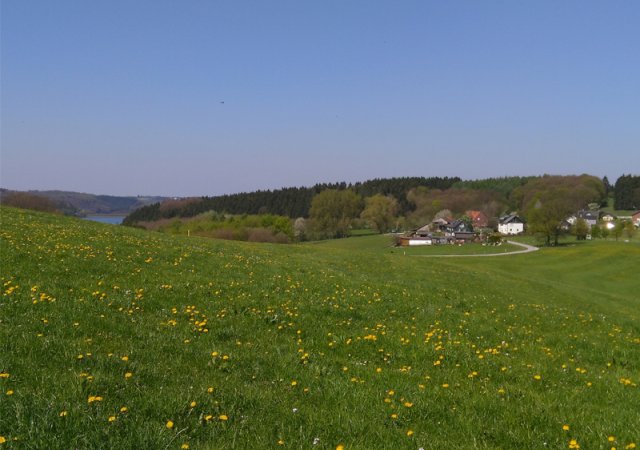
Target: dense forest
(627, 193)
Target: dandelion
(223, 417)
(128, 375)
(445, 385)
(112, 418)
(124, 409)
(193, 404)
(294, 383)
(339, 447)
(409, 433)
(169, 424)
(611, 438)
(94, 398)
(3, 439)
(210, 390)
(185, 445)
(574, 444)
(125, 358)
(10, 392)
(537, 377)
(565, 427)
(63, 414)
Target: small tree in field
(618, 229)
(580, 229)
(629, 229)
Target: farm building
(511, 224)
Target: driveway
(526, 248)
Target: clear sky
(190, 97)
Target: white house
(511, 224)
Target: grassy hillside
(118, 338)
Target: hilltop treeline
(291, 202)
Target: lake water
(114, 220)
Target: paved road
(526, 249)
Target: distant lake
(114, 220)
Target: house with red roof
(478, 218)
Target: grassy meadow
(119, 338)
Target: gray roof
(511, 218)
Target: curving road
(526, 249)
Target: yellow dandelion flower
(169, 424)
(445, 385)
(193, 404)
(574, 444)
(611, 439)
(3, 439)
(409, 433)
(185, 445)
(112, 418)
(10, 392)
(125, 358)
(339, 447)
(294, 383)
(565, 427)
(128, 375)
(210, 390)
(223, 417)
(394, 416)
(124, 409)
(408, 404)
(280, 442)
(537, 377)
(63, 414)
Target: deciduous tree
(380, 212)
(333, 210)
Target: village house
(635, 218)
(511, 224)
(591, 217)
(478, 218)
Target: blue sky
(210, 97)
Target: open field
(119, 338)
(384, 244)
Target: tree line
(291, 202)
(627, 193)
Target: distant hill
(82, 204)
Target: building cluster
(474, 227)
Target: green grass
(337, 343)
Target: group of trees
(27, 200)
(291, 202)
(627, 193)
(547, 201)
